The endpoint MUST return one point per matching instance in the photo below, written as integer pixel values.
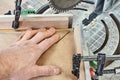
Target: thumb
(44, 71)
(35, 71)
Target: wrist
(5, 68)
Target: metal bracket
(100, 64)
(15, 23)
(76, 64)
(101, 58)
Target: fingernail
(52, 28)
(43, 29)
(56, 71)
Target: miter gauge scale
(103, 35)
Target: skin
(18, 61)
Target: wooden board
(59, 54)
(37, 21)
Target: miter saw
(100, 36)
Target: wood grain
(36, 21)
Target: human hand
(18, 61)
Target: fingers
(36, 36)
(20, 37)
(42, 35)
(28, 34)
(45, 44)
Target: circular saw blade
(63, 5)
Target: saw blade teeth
(55, 9)
(58, 9)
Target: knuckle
(27, 42)
(46, 34)
(39, 33)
